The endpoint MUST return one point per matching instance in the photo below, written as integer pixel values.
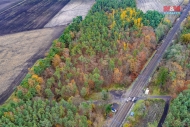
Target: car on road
(129, 98)
(134, 99)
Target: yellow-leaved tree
(56, 60)
(185, 38)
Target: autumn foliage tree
(117, 75)
(107, 47)
(185, 38)
(56, 60)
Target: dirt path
(19, 51)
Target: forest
(110, 46)
(173, 75)
(173, 78)
(179, 53)
(179, 111)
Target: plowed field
(29, 15)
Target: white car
(129, 98)
(134, 99)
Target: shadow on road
(166, 108)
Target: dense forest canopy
(179, 115)
(111, 45)
(178, 82)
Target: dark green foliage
(42, 65)
(185, 31)
(41, 114)
(179, 113)
(162, 76)
(74, 26)
(174, 52)
(83, 92)
(24, 82)
(50, 82)
(89, 37)
(152, 18)
(65, 37)
(111, 64)
(162, 28)
(48, 93)
(19, 94)
(108, 108)
(97, 79)
(105, 94)
(108, 5)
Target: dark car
(114, 107)
(134, 99)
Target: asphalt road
(147, 72)
(29, 15)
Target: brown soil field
(20, 51)
(7, 3)
(71, 10)
(29, 15)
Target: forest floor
(157, 5)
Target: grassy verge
(98, 95)
(94, 96)
(117, 87)
(139, 113)
(146, 113)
